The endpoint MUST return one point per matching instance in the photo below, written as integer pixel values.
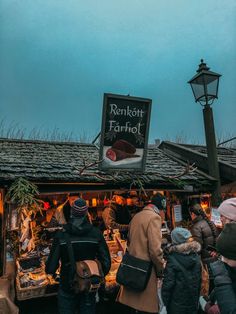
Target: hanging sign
(124, 134)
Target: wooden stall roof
(198, 154)
(58, 162)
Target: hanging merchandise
(31, 241)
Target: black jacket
(225, 287)
(116, 217)
(87, 242)
(181, 284)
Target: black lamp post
(205, 90)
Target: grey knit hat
(180, 235)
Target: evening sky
(58, 58)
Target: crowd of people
(175, 284)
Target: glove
(220, 273)
(160, 274)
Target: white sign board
(215, 217)
(178, 213)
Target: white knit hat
(228, 208)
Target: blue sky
(58, 58)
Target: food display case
(117, 248)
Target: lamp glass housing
(205, 87)
(205, 84)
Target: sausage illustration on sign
(120, 150)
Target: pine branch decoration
(22, 193)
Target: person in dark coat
(203, 231)
(88, 244)
(116, 215)
(182, 275)
(224, 270)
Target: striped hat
(79, 208)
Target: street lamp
(205, 90)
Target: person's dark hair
(198, 211)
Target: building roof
(58, 162)
(198, 154)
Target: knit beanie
(79, 208)
(159, 201)
(180, 235)
(228, 208)
(226, 241)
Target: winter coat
(87, 243)
(116, 217)
(202, 233)
(225, 287)
(144, 243)
(181, 284)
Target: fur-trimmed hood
(186, 254)
(186, 248)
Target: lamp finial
(202, 66)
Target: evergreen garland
(22, 193)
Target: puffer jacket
(202, 233)
(181, 284)
(87, 243)
(225, 287)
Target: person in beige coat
(144, 241)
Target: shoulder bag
(133, 272)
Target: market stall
(117, 248)
(31, 228)
(65, 168)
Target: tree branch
(188, 170)
(82, 171)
